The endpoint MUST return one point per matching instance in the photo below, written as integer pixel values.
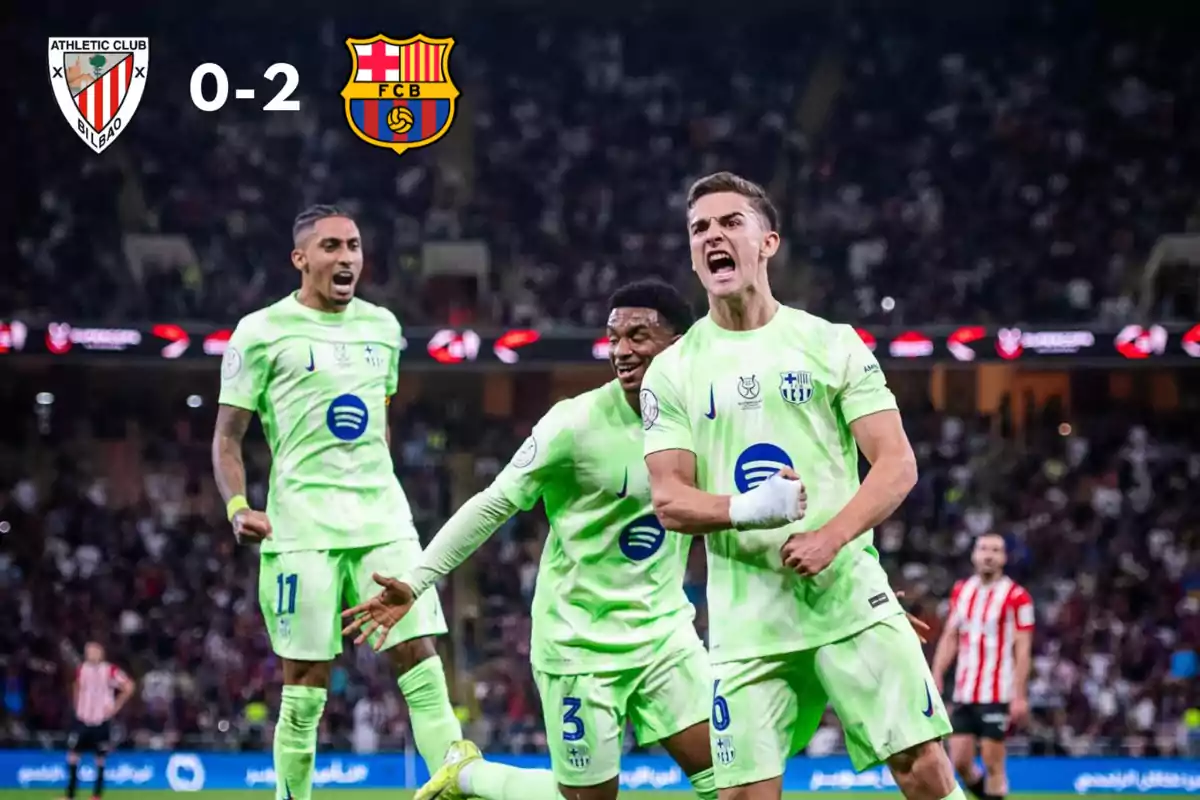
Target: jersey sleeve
(396, 340)
(664, 415)
(863, 388)
(952, 613)
(463, 533)
(244, 368)
(1022, 606)
(118, 677)
(542, 458)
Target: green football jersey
(320, 383)
(610, 584)
(748, 403)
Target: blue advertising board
(191, 772)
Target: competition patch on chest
(750, 391)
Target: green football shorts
(765, 710)
(585, 714)
(302, 594)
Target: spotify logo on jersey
(641, 538)
(347, 417)
(757, 463)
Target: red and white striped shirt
(96, 686)
(988, 618)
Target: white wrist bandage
(774, 502)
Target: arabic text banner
(192, 772)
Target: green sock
(957, 794)
(705, 784)
(490, 781)
(296, 741)
(434, 725)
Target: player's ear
(770, 245)
(299, 260)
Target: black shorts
(90, 738)
(982, 720)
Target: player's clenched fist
(778, 500)
(381, 612)
(809, 553)
(250, 526)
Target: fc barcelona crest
(796, 387)
(400, 94)
(98, 84)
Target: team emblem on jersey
(400, 93)
(347, 417)
(98, 84)
(757, 463)
(373, 355)
(726, 752)
(578, 755)
(796, 387)
(649, 403)
(642, 538)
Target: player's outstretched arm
(229, 470)
(683, 508)
(469, 527)
(472, 525)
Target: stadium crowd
(965, 175)
(1101, 529)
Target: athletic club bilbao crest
(98, 84)
(400, 94)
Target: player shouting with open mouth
(803, 614)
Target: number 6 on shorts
(720, 709)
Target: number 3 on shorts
(286, 600)
(720, 712)
(572, 724)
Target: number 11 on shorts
(286, 602)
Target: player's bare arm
(881, 438)
(229, 470)
(683, 508)
(472, 525)
(123, 695)
(943, 656)
(1023, 658)
(680, 506)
